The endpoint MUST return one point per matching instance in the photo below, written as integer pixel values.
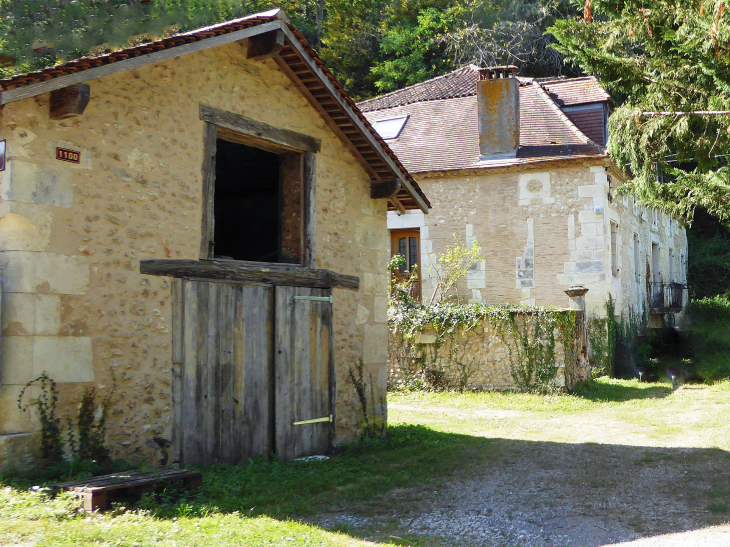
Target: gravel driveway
(546, 493)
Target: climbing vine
(85, 438)
(529, 333)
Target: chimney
(498, 100)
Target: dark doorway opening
(246, 203)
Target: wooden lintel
(263, 46)
(259, 130)
(384, 188)
(397, 204)
(69, 101)
(238, 271)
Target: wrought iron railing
(665, 297)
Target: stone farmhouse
(519, 165)
(200, 220)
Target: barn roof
(297, 59)
(441, 132)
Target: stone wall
(480, 358)
(542, 229)
(71, 237)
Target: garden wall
(492, 355)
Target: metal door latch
(315, 421)
(315, 298)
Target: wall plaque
(64, 154)
(2, 155)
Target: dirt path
(587, 479)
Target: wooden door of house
(253, 371)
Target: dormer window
(390, 128)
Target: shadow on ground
(423, 487)
(603, 392)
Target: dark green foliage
(371, 46)
(710, 336)
(45, 403)
(670, 56)
(708, 264)
(92, 432)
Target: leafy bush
(710, 336)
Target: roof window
(390, 128)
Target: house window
(681, 268)
(637, 264)
(258, 186)
(654, 218)
(390, 128)
(407, 243)
(671, 265)
(633, 204)
(614, 249)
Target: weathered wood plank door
(304, 371)
(250, 362)
(223, 392)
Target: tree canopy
(669, 60)
(372, 46)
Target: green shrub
(710, 336)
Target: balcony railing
(666, 297)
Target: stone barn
(199, 221)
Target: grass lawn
(434, 439)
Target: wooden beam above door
(238, 271)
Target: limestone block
(18, 269)
(380, 314)
(18, 233)
(26, 314)
(65, 359)
(47, 314)
(589, 243)
(18, 314)
(589, 266)
(476, 283)
(569, 267)
(60, 274)
(17, 451)
(14, 420)
(589, 216)
(591, 190)
(588, 229)
(375, 345)
(363, 314)
(32, 183)
(16, 367)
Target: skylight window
(390, 128)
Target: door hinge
(315, 298)
(315, 421)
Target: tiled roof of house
(297, 58)
(576, 91)
(442, 134)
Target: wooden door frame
(237, 128)
(398, 233)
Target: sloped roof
(576, 91)
(460, 83)
(442, 134)
(297, 59)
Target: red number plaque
(71, 156)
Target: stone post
(577, 297)
(581, 369)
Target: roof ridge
(559, 111)
(425, 82)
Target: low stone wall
(481, 358)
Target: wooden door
(250, 363)
(304, 371)
(223, 392)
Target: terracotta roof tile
(442, 135)
(575, 91)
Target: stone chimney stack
(498, 100)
